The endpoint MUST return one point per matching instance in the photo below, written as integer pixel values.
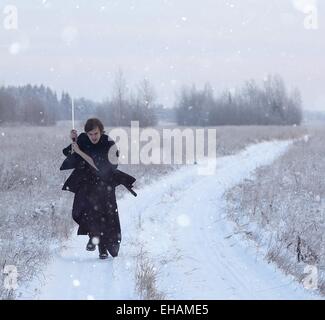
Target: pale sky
(78, 45)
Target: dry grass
(283, 209)
(146, 276)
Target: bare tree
(145, 104)
(119, 101)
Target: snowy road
(180, 222)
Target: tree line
(252, 104)
(40, 105)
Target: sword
(72, 111)
(72, 115)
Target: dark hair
(93, 123)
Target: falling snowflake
(95, 241)
(76, 283)
(303, 5)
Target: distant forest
(40, 105)
(253, 104)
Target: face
(94, 135)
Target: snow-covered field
(35, 214)
(179, 226)
(282, 209)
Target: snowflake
(76, 283)
(95, 240)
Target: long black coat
(94, 207)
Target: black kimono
(94, 207)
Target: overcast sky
(78, 45)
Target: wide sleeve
(73, 160)
(67, 151)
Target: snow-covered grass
(146, 275)
(35, 214)
(283, 208)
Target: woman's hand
(75, 147)
(73, 135)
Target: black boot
(103, 254)
(113, 249)
(90, 245)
